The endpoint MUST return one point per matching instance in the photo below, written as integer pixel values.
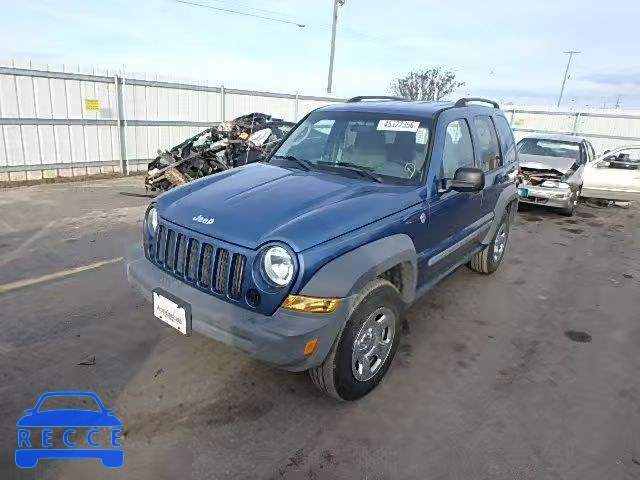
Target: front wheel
(571, 209)
(362, 353)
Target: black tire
(334, 376)
(568, 212)
(485, 261)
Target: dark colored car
(309, 260)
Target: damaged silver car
(550, 171)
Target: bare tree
(430, 84)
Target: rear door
(614, 181)
(491, 162)
(453, 215)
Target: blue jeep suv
(308, 260)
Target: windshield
(66, 402)
(387, 148)
(549, 148)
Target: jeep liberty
(308, 260)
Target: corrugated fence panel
(8, 96)
(237, 105)
(542, 121)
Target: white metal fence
(59, 123)
(56, 123)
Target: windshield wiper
(363, 171)
(305, 164)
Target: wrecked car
(246, 139)
(551, 168)
(614, 176)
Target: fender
(349, 273)
(508, 195)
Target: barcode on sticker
(398, 125)
(422, 136)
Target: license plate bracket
(171, 310)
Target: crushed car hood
(540, 162)
(258, 203)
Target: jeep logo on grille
(201, 219)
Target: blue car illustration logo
(36, 431)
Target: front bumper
(278, 339)
(551, 197)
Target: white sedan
(613, 176)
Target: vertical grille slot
(236, 278)
(222, 270)
(207, 265)
(170, 259)
(160, 244)
(181, 254)
(193, 254)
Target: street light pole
(566, 73)
(336, 4)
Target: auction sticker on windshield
(398, 125)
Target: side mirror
(466, 179)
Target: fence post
(576, 122)
(222, 112)
(295, 109)
(122, 123)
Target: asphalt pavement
(529, 373)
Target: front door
(453, 216)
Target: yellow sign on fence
(92, 104)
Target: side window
(458, 150)
(488, 140)
(507, 143)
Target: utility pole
(618, 103)
(336, 4)
(566, 73)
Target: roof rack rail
(463, 102)
(372, 97)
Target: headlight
(151, 222)
(277, 265)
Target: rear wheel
(363, 351)
(487, 260)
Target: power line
(249, 7)
(227, 10)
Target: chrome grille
(209, 267)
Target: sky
(508, 50)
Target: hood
(258, 203)
(541, 162)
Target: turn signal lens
(310, 347)
(301, 303)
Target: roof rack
(463, 102)
(373, 97)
